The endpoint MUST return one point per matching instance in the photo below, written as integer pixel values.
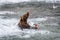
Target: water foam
(9, 27)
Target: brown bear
(23, 21)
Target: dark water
(49, 25)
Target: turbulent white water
(7, 12)
(9, 27)
(48, 28)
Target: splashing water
(9, 27)
(47, 28)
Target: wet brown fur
(23, 21)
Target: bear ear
(27, 12)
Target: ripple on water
(9, 29)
